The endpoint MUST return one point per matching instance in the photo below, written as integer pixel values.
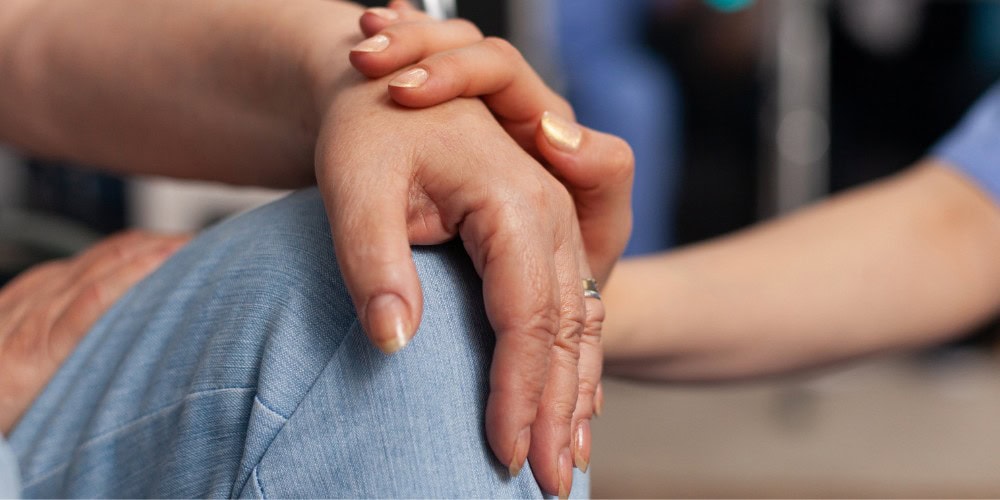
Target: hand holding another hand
(454, 60)
(444, 60)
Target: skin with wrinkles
(262, 93)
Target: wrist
(325, 37)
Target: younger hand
(48, 309)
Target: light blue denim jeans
(239, 369)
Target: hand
(49, 308)
(392, 177)
(596, 168)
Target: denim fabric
(9, 485)
(239, 369)
(973, 147)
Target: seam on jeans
(260, 486)
(267, 448)
(128, 425)
(256, 397)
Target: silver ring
(590, 289)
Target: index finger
(492, 69)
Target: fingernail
(520, 452)
(386, 316)
(377, 43)
(599, 400)
(561, 133)
(410, 79)
(581, 454)
(384, 13)
(565, 468)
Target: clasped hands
(539, 202)
(494, 158)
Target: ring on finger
(590, 289)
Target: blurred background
(737, 111)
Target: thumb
(597, 169)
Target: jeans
(239, 369)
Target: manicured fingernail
(520, 452)
(565, 468)
(561, 133)
(410, 79)
(581, 445)
(599, 400)
(384, 13)
(377, 43)
(386, 316)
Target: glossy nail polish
(581, 446)
(565, 469)
(377, 43)
(561, 133)
(386, 316)
(410, 79)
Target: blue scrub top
(973, 147)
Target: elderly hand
(392, 177)
(48, 309)
(453, 59)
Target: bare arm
(146, 86)
(909, 261)
(253, 92)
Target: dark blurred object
(489, 15)
(94, 200)
(714, 57)
(28, 238)
(888, 107)
(65, 210)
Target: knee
(271, 277)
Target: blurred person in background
(618, 84)
(904, 262)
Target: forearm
(906, 262)
(222, 90)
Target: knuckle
(570, 331)
(451, 59)
(467, 28)
(531, 193)
(563, 411)
(93, 296)
(594, 319)
(592, 331)
(543, 322)
(587, 388)
(503, 48)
